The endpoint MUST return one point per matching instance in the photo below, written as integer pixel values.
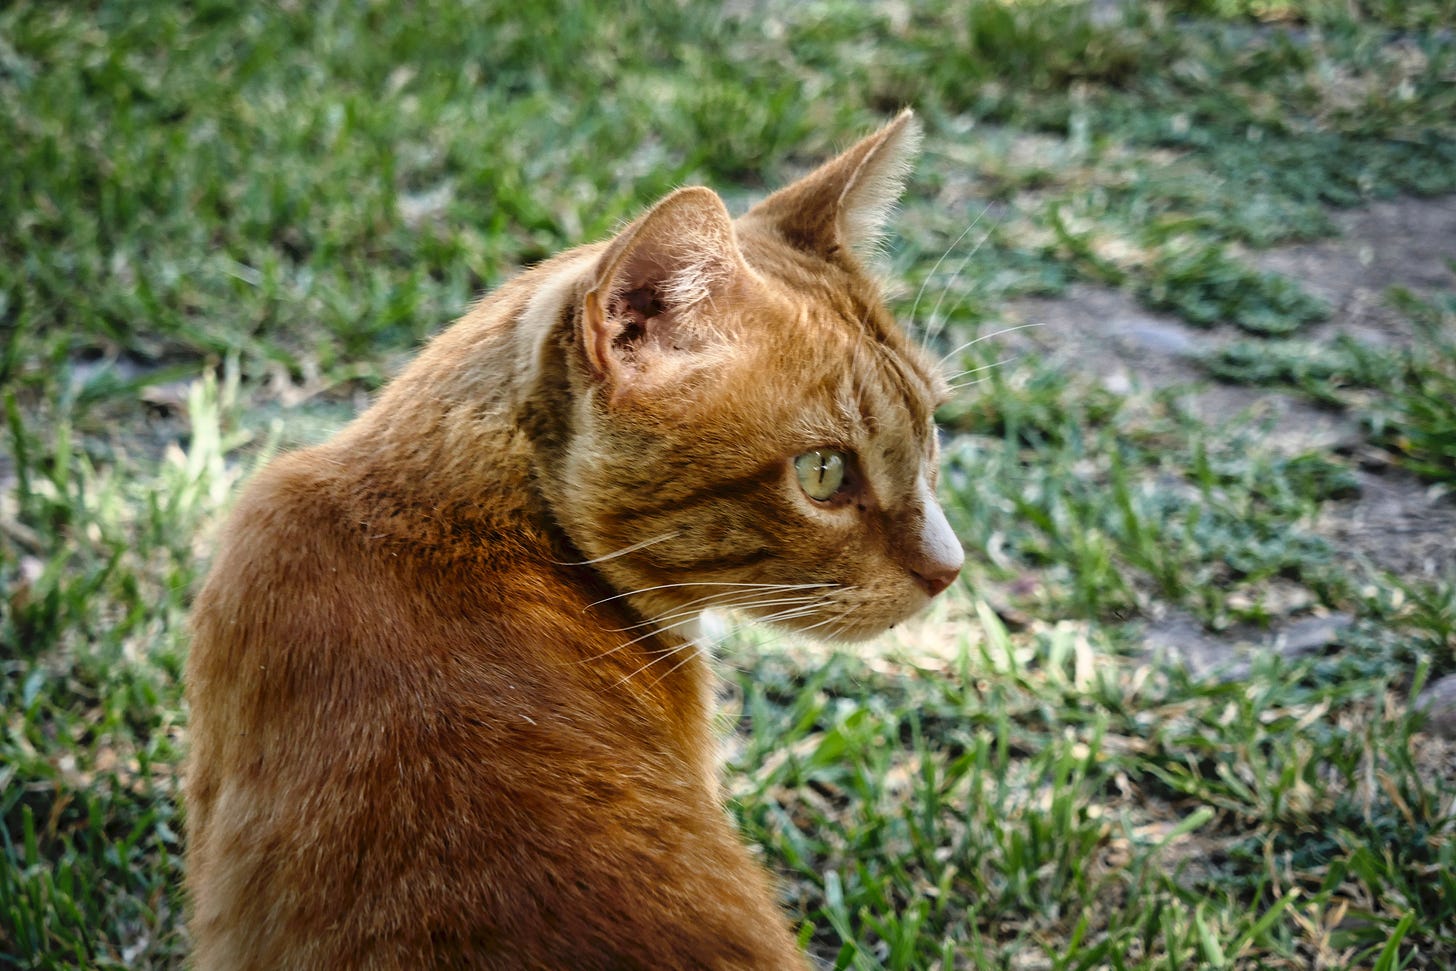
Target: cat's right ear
(844, 203)
(644, 320)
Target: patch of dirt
(1397, 523)
(1179, 637)
(1402, 242)
(1394, 522)
(1096, 331)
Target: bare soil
(1394, 522)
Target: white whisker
(709, 583)
(826, 620)
(639, 639)
(937, 322)
(830, 620)
(621, 552)
(729, 598)
(958, 388)
(983, 367)
(741, 600)
(779, 616)
(686, 645)
(984, 337)
(931, 275)
(742, 597)
(696, 650)
(688, 613)
(789, 613)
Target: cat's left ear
(643, 320)
(846, 201)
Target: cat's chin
(849, 632)
(855, 636)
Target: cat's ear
(846, 201)
(644, 319)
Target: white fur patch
(938, 540)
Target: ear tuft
(847, 200)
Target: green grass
(226, 224)
(1417, 418)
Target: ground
(1392, 519)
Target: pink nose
(937, 577)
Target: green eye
(821, 473)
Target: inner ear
(646, 301)
(634, 310)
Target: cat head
(751, 428)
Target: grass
(226, 224)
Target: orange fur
(446, 707)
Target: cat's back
(334, 602)
(363, 698)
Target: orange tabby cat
(447, 705)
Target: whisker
(789, 604)
(790, 613)
(621, 552)
(709, 583)
(931, 275)
(958, 388)
(729, 598)
(805, 611)
(779, 634)
(793, 608)
(743, 600)
(696, 650)
(830, 620)
(690, 646)
(984, 367)
(638, 639)
(937, 323)
(985, 337)
(682, 617)
(809, 610)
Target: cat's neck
(453, 448)
(451, 467)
